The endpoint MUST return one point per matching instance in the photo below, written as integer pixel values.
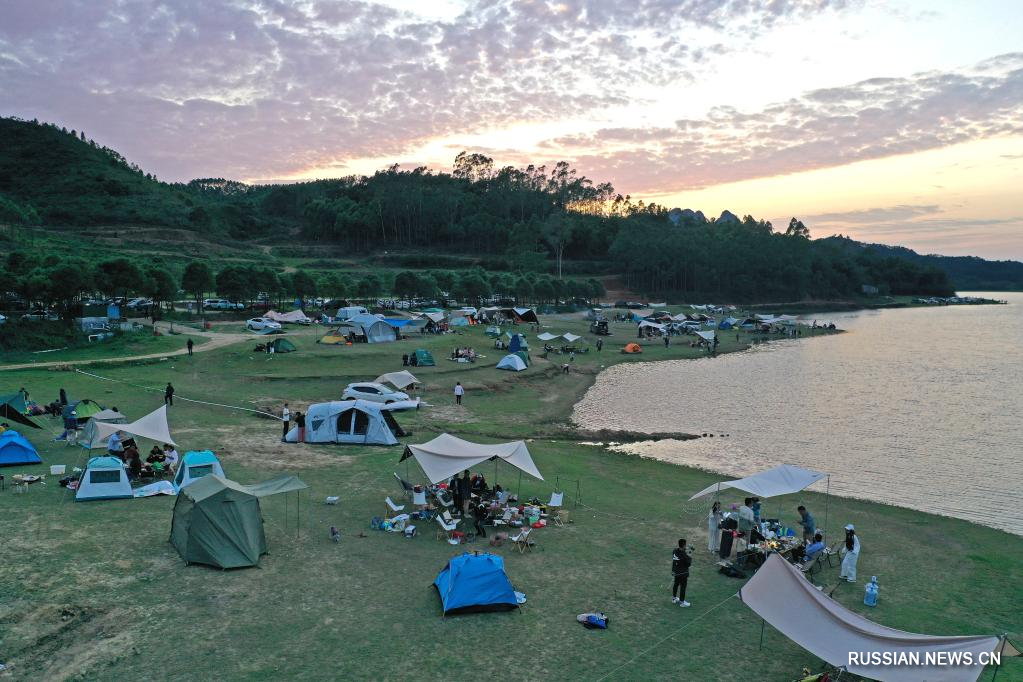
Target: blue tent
(196, 464)
(475, 582)
(517, 343)
(15, 449)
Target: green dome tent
(424, 358)
(218, 522)
(281, 345)
(524, 355)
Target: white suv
(377, 393)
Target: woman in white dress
(714, 528)
(851, 552)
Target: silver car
(377, 393)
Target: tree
(796, 228)
(64, 287)
(303, 285)
(333, 285)
(234, 283)
(197, 280)
(369, 286)
(118, 276)
(557, 232)
(407, 284)
(160, 286)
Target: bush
(17, 336)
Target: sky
(897, 122)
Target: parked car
(221, 304)
(137, 303)
(376, 392)
(3, 318)
(260, 323)
(40, 314)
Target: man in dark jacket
(168, 395)
(680, 561)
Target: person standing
(807, 522)
(459, 392)
(300, 423)
(286, 418)
(667, 340)
(114, 446)
(465, 489)
(714, 528)
(851, 550)
(168, 395)
(680, 562)
(63, 397)
(479, 515)
(190, 345)
(745, 525)
(600, 345)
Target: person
(455, 489)
(168, 395)
(286, 419)
(300, 423)
(479, 518)
(714, 528)
(155, 455)
(851, 550)
(814, 548)
(680, 562)
(70, 426)
(807, 522)
(63, 397)
(170, 458)
(114, 447)
(465, 489)
(600, 345)
(404, 359)
(459, 392)
(134, 464)
(746, 519)
(667, 341)
(190, 345)
(756, 511)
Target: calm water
(919, 407)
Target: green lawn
(95, 591)
(129, 344)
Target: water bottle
(870, 594)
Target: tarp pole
(762, 624)
(298, 513)
(1001, 650)
(519, 492)
(827, 497)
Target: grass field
(129, 344)
(95, 591)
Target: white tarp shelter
(90, 439)
(546, 336)
(153, 426)
(447, 455)
(570, 337)
(783, 597)
(707, 336)
(400, 379)
(294, 317)
(781, 480)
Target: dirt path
(216, 340)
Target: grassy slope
(141, 343)
(364, 609)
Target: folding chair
(443, 498)
(522, 541)
(392, 508)
(445, 530)
(812, 568)
(503, 521)
(446, 515)
(502, 497)
(832, 551)
(554, 508)
(419, 498)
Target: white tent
(571, 338)
(153, 426)
(398, 379)
(781, 480)
(90, 439)
(783, 597)
(655, 325)
(707, 336)
(446, 456)
(104, 478)
(546, 336)
(512, 362)
(294, 317)
(349, 422)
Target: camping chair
(446, 529)
(522, 540)
(443, 498)
(503, 521)
(446, 515)
(832, 551)
(554, 508)
(406, 487)
(392, 508)
(811, 568)
(419, 498)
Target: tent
(512, 362)
(570, 337)
(153, 426)
(196, 465)
(546, 336)
(350, 422)
(13, 409)
(294, 317)
(372, 327)
(424, 358)
(83, 409)
(90, 439)
(447, 455)
(707, 336)
(728, 323)
(282, 346)
(781, 480)
(493, 331)
(400, 380)
(632, 348)
(527, 315)
(517, 343)
(218, 522)
(472, 583)
(333, 338)
(783, 597)
(104, 478)
(524, 355)
(458, 321)
(16, 450)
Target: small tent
(518, 342)
(83, 409)
(333, 338)
(493, 331)
(104, 478)
(218, 522)
(16, 450)
(350, 422)
(282, 345)
(13, 409)
(471, 583)
(512, 362)
(728, 323)
(525, 357)
(424, 358)
(90, 438)
(632, 348)
(195, 465)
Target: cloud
(873, 215)
(263, 88)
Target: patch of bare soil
(238, 444)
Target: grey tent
(90, 438)
(371, 327)
(351, 422)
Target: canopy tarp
(153, 426)
(546, 336)
(781, 480)
(655, 325)
(398, 379)
(275, 486)
(783, 597)
(89, 438)
(707, 336)
(447, 455)
(294, 317)
(12, 409)
(570, 337)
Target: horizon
(887, 125)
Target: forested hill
(531, 220)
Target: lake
(917, 407)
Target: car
(260, 323)
(40, 314)
(137, 303)
(377, 393)
(3, 318)
(403, 305)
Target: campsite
(89, 586)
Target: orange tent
(632, 348)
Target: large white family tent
(90, 438)
(783, 597)
(351, 422)
(447, 455)
(104, 478)
(371, 327)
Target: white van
(348, 313)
